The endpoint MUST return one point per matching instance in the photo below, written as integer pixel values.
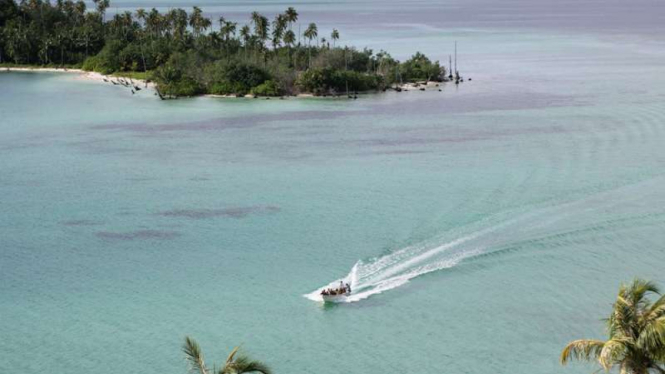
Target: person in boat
(342, 289)
(348, 288)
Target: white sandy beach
(81, 74)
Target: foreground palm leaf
(235, 363)
(194, 356)
(242, 364)
(636, 329)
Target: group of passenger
(341, 290)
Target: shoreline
(82, 74)
(120, 80)
(411, 86)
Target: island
(184, 55)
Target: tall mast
(346, 62)
(450, 66)
(456, 56)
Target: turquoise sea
(484, 226)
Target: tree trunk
(143, 56)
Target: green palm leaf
(652, 336)
(235, 363)
(194, 356)
(613, 351)
(243, 364)
(583, 349)
(636, 328)
(229, 359)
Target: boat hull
(334, 298)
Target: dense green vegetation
(185, 55)
(636, 329)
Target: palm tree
(245, 33)
(228, 29)
(177, 20)
(311, 33)
(235, 363)
(256, 18)
(636, 329)
(142, 16)
(102, 5)
(152, 22)
(215, 39)
(80, 8)
(289, 38)
(246, 36)
(291, 16)
(205, 24)
(334, 36)
(198, 22)
(260, 26)
(278, 27)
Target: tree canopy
(186, 54)
(235, 363)
(636, 333)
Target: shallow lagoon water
(523, 197)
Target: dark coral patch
(80, 222)
(138, 235)
(238, 212)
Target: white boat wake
(384, 273)
(509, 229)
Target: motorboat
(336, 295)
(337, 298)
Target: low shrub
(268, 88)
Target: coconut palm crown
(636, 329)
(235, 363)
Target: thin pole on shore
(346, 68)
(450, 67)
(455, 56)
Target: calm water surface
(490, 223)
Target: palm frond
(657, 309)
(639, 289)
(652, 336)
(229, 359)
(610, 324)
(583, 349)
(636, 328)
(613, 352)
(243, 364)
(623, 318)
(194, 356)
